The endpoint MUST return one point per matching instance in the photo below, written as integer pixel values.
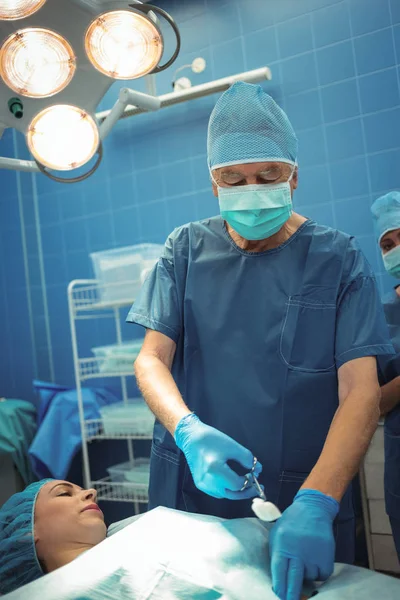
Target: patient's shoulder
(119, 525)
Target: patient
(44, 527)
(56, 528)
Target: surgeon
(386, 215)
(263, 329)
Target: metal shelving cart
(84, 302)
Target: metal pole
(119, 341)
(17, 164)
(127, 96)
(144, 101)
(85, 452)
(112, 118)
(197, 91)
(124, 392)
(151, 85)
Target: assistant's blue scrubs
(390, 366)
(260, 337)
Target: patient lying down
(54, 543)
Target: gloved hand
(301, 543)
(207, 452)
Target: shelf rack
(120, 492)
(85, 302)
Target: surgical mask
(256, 212)
(391, 260)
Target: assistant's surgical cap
(247, 126)
(386, 214)
(19, 563)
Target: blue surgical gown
(390, 368)
(260, 337)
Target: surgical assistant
(263, 329)
(386, 214)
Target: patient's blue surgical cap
(19, 563)
(386, 214)
(247, 126)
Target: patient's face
(66, 517)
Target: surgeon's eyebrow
(274, 166)
(266, 167)
(232, 173)
(65, 484)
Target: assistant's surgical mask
(256, 211)
(391, 260)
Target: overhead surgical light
(11, 10)
(127, 44)
(63, 137)
(59, 67)
(124, 44)
(37, 63)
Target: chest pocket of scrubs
(307, 341)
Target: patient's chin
(98, 532)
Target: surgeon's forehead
(247, 168)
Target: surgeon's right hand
(207, 452)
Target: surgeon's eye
(270, 175)
(232, 179)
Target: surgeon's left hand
(302, 545)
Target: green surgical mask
(391, 260)
(256, 211)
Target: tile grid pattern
(335, 66)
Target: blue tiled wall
(335, 67)
(18, 355)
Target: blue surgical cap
(247, 126)
(19, 563)
(386, 214)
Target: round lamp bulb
(36, 62)
(63, 137)
(198, 65)
(183, 83)
(123, 44)
(11, 10)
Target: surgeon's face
(390, 240)
(67, 517)
(254, 173)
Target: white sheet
(168, 555)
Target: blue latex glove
(207, 452)
(302, 545)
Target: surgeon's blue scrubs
(390, 368)
(260, 337)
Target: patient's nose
(90, 494)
